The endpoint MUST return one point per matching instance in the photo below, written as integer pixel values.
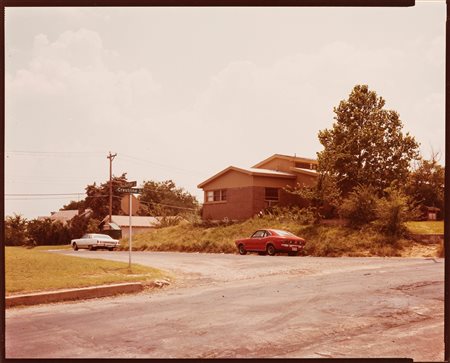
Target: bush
(16, 231)
(303, 216)
(47, 232)
(392, 212)
(360, 206)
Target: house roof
(64, 215)
(285, 157)
(249, 171)
(136, 221)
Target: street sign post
(130, 191)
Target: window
(271, 194)
(259, 234)
(216, 195)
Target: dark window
(271, 193)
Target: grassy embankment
(322, 240)
(429, 227)
(426, 227)
(29, 270)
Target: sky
(183, 93)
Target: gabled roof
(136, 221)
(249, 171)
(285, 157)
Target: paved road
(248, 306)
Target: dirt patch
(420, 250)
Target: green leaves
(366, 144)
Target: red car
(271, 241)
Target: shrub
(47, 232)
(303, 216)
(360, 206)
(16, 231)
(392, 212)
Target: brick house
(241, 193)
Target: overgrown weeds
(322, 240)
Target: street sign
(130, 184)
(130, 190)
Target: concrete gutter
(73, 294)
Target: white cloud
(69, 88)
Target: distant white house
(139, 224)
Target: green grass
(426, 227)
(31, 270)
(53, 247)
(322, 240)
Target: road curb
(73, 294)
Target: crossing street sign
(130, 190)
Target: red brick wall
(243, 203)
(240, 205)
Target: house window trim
(222, 196)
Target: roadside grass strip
(31, 270)
(426, 227)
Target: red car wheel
(270, 250)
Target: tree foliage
(75, 205)
(360, 206)
(366, 145)
(16, 231)
(165, 199)
(97, 197)
(48, 232)
(392, 211)
(425, 184)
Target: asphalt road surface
(228, 306)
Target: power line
(52, 152)
(40, 194)
(160, 164)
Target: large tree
(366, 145)
(97, 197)
(165, 199)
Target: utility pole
(111, 158)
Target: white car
(93, 241)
